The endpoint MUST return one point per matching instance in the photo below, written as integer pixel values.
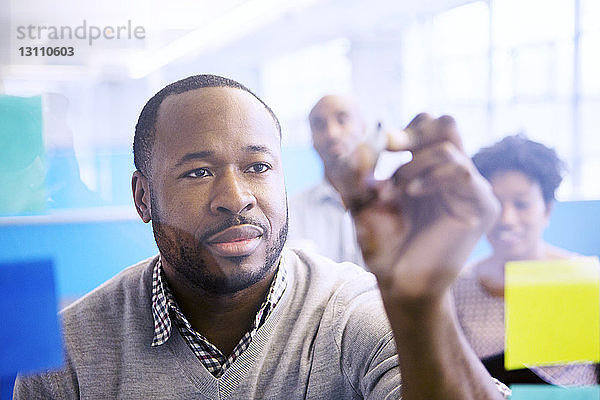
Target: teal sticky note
(22, 155)
(548, 392)
(30, 335)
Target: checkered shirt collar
(164, 302)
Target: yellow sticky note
(552, 312)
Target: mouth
(508, 237)
(236, 241)
(336, 148)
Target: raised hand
(417, 228)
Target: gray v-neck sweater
(328, 338)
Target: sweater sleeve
(59, 385)
(365, 342)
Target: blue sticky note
(30, 335)
(548, 392)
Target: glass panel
(549, 123)
(517, 22)
(532, 71)
(589, 122)
(461, 30)
(590, 15)
(472, 124)
(308, 74)
(561, 61)
(590, 64)
(503, 75)
(464, 79)
(590, 171)
(417, 73)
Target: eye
(521, 205)
(258, 168)
(198, 173)
(343, 118)
(317, 124)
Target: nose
(231, 195)
(332, 130)
(508, 215)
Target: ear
(141, 195)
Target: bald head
(337, 127)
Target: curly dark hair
(518, 153)
(145, 129)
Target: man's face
(218, 203)
(517, 234)
(336, 126)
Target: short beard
(185, 255)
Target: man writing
(225, 311)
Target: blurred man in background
(319, 220)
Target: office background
(498, 66)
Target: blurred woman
(524, 176)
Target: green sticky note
(552, 312)
(22, 161)
(548, 392)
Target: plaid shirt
(165, 311)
